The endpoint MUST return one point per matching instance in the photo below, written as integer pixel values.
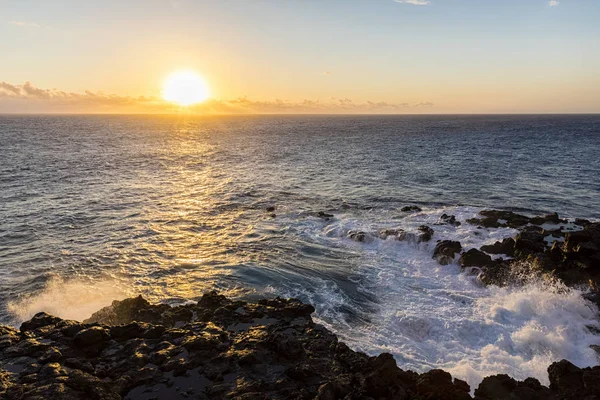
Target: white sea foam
(73, 299)
(433, 316)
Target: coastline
(219, 348)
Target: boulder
(475, 258)
(92, 341)
(426, 233)
(498, 218)
(446, 219)
(445, 250)
(506, 246)
(39, 320)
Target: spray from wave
(69, 299)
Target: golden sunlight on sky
(339, 56)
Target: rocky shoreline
(271, 349)
(219, 348)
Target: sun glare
(185, 88)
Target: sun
(185, 88)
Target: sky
(308, 56)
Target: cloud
(414, 2)
(424, 104)
(25, 24)
(553, 3)
(29, 97)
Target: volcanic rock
(410, 208)
(445, 251)
(475, 258)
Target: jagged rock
(445, 251)
(449, 220)
(571, 382)
(39, 320)
(529, 241)
(475, 258)
(120, 312)
(503, 387)
(426, 233)
(549, 218)
(393, 233)
(92, 340)
(497, 218)
(410, 208)
(270, 349)
(358, 236)
(506, 246)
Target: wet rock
(270, 349)
(426, 233)
(438, 384)
(529, 241)
(324, 215)
(410, 208)
(497, 219)
(39, 320)
(503, 387)
(506, 246)
(449, 220)
(582, 222)
(359, 236)
(391, 233)
(120, 312)
(549, 218)
(475, 258)
(445, 251)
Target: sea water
(97, 208)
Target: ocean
(97, 208)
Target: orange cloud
(54, 100)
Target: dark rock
(475, 258)
(503, 387)
(497, 218)
(393, 233)
(410, 208)
(426, 233)
(270, 209)
(120, 312)
(359, 236)
(506, 246)
(445, 251)
(324, 215)
(582, 222)
(550, 218)
(270, 349)
(529, 241)
(92, 340)
(39, 320)
(449, 220)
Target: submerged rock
(410, 208)
(449, 220)
(359, 236)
